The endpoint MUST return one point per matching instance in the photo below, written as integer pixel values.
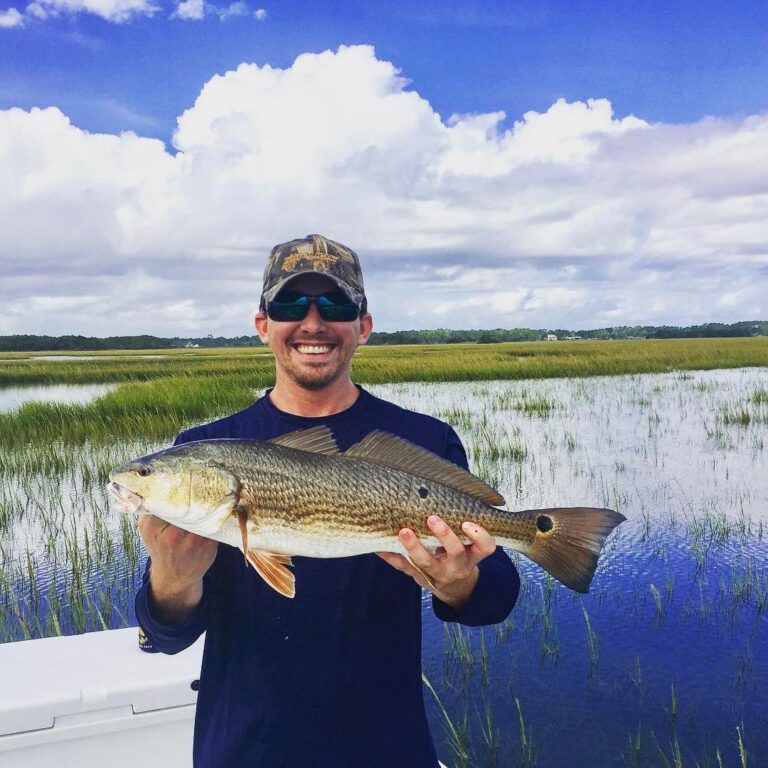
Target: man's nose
(313, 319)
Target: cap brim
(343, 287)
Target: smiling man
(331, 678)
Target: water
(666, 653)
(13, 397)
(674, 657)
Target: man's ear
(366, 326)
(261, 322)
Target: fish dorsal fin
(396, 453)
(271, 566)
(315, 439)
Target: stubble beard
(317, 378)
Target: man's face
(311, 352)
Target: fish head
(184, 487)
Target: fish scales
(339, 496)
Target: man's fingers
(483, 544)
(416, 552)
(449, 540)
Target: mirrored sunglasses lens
(337, 308)
(294, 309)
(333, 308)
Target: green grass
(157, 397)
(753, 410)
(422, 362)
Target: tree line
(32, 343)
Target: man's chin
(315, 380)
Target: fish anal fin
(387, 450)
(272, 567)
(278, 557)
(315, 440)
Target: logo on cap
(313, 253)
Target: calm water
(667, 654)
(13, 397)
(675, 657)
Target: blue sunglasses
(334, 307)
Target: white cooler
(96, 700)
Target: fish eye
(144, 471)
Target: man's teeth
(314, 349)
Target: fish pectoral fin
(316, 440)
(272, 567)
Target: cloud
(569, 217)
(116, 11)
(195, 10)
(11, 18)
(238, 8)
(189, 10)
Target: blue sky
(664, 61)
(608, 145)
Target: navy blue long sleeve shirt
(331, 678)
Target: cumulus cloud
(11, 18)
(571, 217)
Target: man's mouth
(313, 349)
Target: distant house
(190, 345)
(551, 337)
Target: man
(332, 677)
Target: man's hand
(179, 561)
(452, 570)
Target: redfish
(299, 495)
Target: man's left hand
(450, 573)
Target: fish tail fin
(567, 541)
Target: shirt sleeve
(168, 638)
(498, 586)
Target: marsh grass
(151, 410)
(752, 410)
(592, 642)
(440, 362)
(457, 733)
(159, 396)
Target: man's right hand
(180, 559)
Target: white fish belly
(291, 542)
(288, 541)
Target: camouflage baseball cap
(313, 254)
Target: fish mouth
(126, 499)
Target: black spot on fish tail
(544, 523)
